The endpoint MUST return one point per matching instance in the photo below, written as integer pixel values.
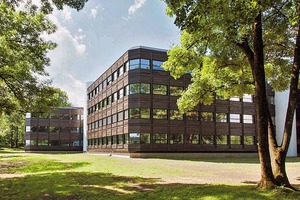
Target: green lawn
(88, 176)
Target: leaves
(213, 33)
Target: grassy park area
(92, 176)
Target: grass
(86, 176)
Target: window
(235, 118)
(221, 139)
(120, 116)
(235, 139)
(207, 116)
(145, 88)
(234, 99)
(109, 80)
(192, 115)
(247, 98)
(248, 140)
(42, 142)
(120, 139)
(192, 139)
(176, 139)
(115, 97)
(156, 65)
(125, 114)
(115, 75)
(145, 64)
(126, 66)
(126, 90)
(114, 139)
(175, 115)
(139, 88)
(120, 70)
(207, 139)
(160, 138)
(160, 89)
(121, 93)
(134, 113)
(64, 143)
(248, 119)
(114, 118)
(145, 113)
(221, 117)
(134, 88)
(139, 138)
(175, 90)
(109, 100)
(28, 129)
(109, 120)
(160, 114)
(104, 121)
(134, 64)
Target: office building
(131, 108)
(59, 130)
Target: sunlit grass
(88, 176)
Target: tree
(23, 52)
(236, 47)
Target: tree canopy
(236, 47)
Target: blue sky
(91, 40)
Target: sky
(91, 40)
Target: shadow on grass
(11, 150)
(252, 160)
(82, 185)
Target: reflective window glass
(221, 139)
(176, 138)
(175, 90)
(134, 113)
(145, 64)
(156, 65)
(248, 140)
(192, 115)
(134, 64)
(160, 89)
(248, 119)
(221, 117)
(160, 114)
(235, 139)
(207, 139)
(160, 138)
(175, 115)
(134, 88)
(207, 116)
(192, 138)
(145, 88)
(235, 118)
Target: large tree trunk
(267, 179)
(279, 152)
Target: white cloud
(66, 14)
(137, 5)
(94, 11)
(67, 58)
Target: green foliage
(214, 34)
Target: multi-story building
(131, 108)
(59, 130)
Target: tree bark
(279, 152)
(267, 179)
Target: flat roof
(149, 48)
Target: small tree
(236, 47)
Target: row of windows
(146, 113)
(53, 143)
(54, 129)
(136, 88)
(66, 116)
(129, 65)
(163, 138)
